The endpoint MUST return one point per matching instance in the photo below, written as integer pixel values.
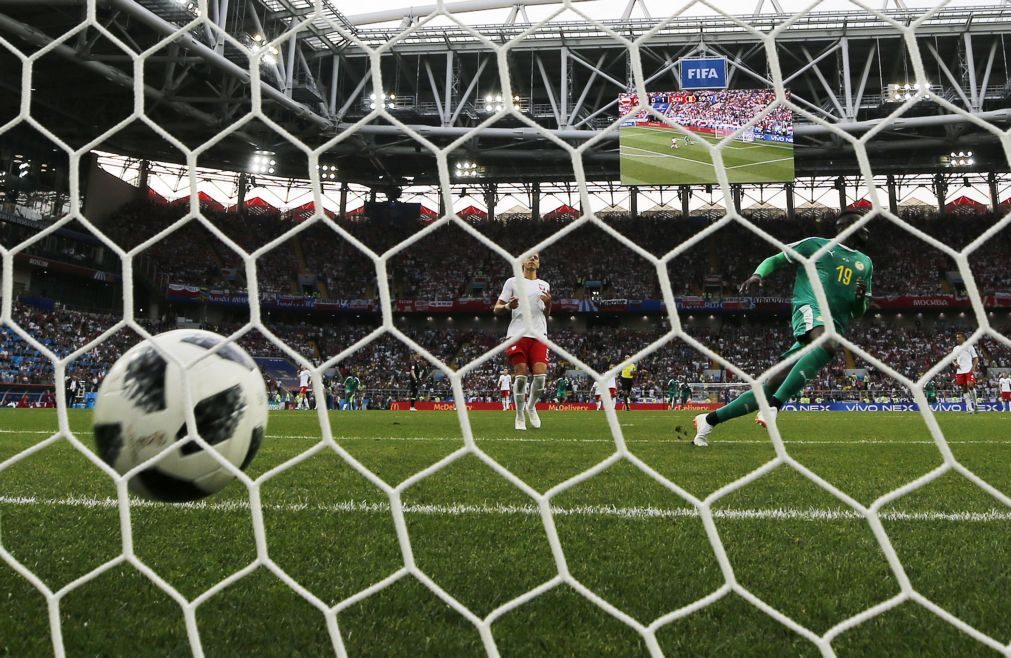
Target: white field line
(460, 509)
(556, 440)
(752, 164)
(654, 154)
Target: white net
(541, 505)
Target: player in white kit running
(966, 360)
(528, 355)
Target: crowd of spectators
(754, 346)
(730, 109)
(726, 110)
(449, 264)
(62, 331)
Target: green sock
(743, 405)
(802, 372)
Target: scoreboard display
(671, 142)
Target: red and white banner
(69, 268)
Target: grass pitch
(635, 544)
(648, 159)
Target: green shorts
(805, 318)
(808, 316)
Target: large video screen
(653, 153)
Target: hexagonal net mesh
(703, 507)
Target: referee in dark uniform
(417, 373)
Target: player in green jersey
(930, 390)
(351, 386)
(672, 393)
(845, 275)
(562, 385)
(686, 392)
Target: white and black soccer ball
(140, 411)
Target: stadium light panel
(328, 172)
(495, 102)
(389, 100)
(466, 169)
(262, 162)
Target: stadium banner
(449, 405)
(689, 303)
(183, 293)
(703, 72)
(884, 406)
(69, 268)
(940, 302)
(654, 152)
(921, 301)
(999, 300)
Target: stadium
(346, 189)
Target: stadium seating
(446, 266)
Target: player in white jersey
(303, 388)
(612, 387)
(1004, 384)
(527, 354)
(505, 387)
(966, 360)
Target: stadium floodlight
(389, 100)
(898, 92)
(271, 53)
(263, 162)
(494, 102)
(190, 6)
(327, 172)
(24, 168)
(466, 169)
(959, 159)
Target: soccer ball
(140, 412)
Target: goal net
(372, 534)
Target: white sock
(598, 405)
(975, 398)
(519, 393)
(536, 386)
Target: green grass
(624, 536)
(648, 159)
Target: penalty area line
(459, 509)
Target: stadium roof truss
(565, 76)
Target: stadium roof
(566, 74)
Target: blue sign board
(704, 73)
